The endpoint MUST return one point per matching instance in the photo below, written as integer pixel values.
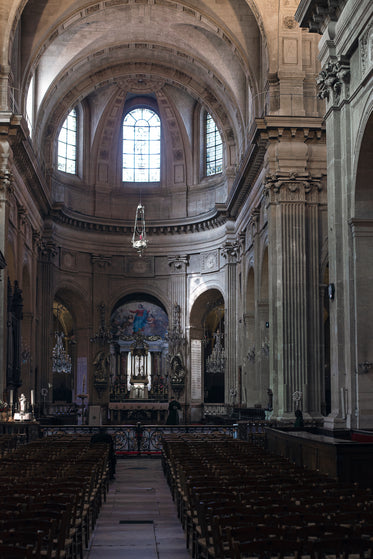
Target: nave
(139, 519)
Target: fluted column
(295, 310)
(47, 253)
(230, 252)
(5, 191)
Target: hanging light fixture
(139, 241)
(61, 360)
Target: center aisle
(139, 519)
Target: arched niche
(139, 327)
(207, 341)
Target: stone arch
(77, 330)
(362, 261)
(207, 326)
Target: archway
(362, 236)
(140, 372)
(207, 328)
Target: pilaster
(47, 252)
(295, 313)
(231, 252)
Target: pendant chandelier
(216, 361)
(139, 241)
(61, 360)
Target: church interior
(186, 228)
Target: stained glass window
(141, 146)
(67, 144)
(214, 147)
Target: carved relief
(210, 261)
(366, 50)
(135, 266)
(289, 22)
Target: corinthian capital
(178, 263)
(332, 78)
(293, 187)
(48, 249)
(6, 181)
(231, 251)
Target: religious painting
(139, 317)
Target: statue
(22, 403)
(101, 364)
(177, 369)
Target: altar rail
(146, 439)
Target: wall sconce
(331, 291)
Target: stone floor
(139, 519)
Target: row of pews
(51, 491)
(236, 500)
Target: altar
(143, 411)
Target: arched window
(67, 144)
(141, 146)
(214, 147)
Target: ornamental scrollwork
(332, 78)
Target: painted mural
(140, 317)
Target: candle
(11, 397)
(83, 383)
(32, 398)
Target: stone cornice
(15, 127)
(209, 221)
(264, 130)
(316, 14)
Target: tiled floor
(139, 519)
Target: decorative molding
(63, 216)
